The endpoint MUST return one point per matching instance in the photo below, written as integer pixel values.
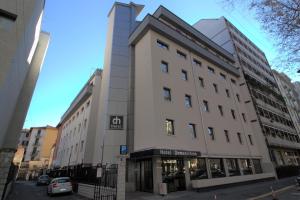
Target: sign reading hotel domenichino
(116, 122)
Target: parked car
(60, 185)
(43, 180)
(298, 180)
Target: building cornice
(150, 22)
(176, 21)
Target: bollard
(274, 194)
(215, 196)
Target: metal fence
(106, 185)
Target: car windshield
(63, 180)
(44, 177)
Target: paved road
(239, 192)
(29, 191)
(292, 194)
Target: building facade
(273, 118)
(38, 151)
(291, 98)
(22, 147)
(75, 145)
(22, 50)
(191, 127)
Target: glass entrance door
(144, 176)
(173, 173)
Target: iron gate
(106, 185)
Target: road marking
(270, 193)
(296, 194)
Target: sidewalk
(229, 193)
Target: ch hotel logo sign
(116, 122)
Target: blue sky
(76, 49)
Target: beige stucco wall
(151, 109)
(48, 142)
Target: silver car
(59, 185)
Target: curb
(270, 193)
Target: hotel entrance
(155, 166)
(173, 174)
(144, 176)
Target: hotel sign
(116, 122)
(171, 152)
(165, 153)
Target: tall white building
(291, 98)
(22, 50)
(274, 121)
(173, 97)
(75, 145)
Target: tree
(281, 19)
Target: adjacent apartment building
(291, 98)
(77, 128)
(21, 147)
(273, 118)
(22, 50)
(38, 152)
(174, 97)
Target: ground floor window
(173, 174)
(216, 167)
(257, 166)
(246, 166)
(233, 168)
(197, 168)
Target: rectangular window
(250, 139)
(162, 45)
(188, 101)
(197, 62)
(238, 97)
(223, 76)
(246, 166)
(169, 127)
(257, 166)
(211, 70)
(192, 130)
(7, 15)
(167, 94)
(220, 110)
(81, 146)
(227, 136)
(211, 133)
(184, 75)
(197, 168)
(240, 138)
(233, 114)
(206, 107)
(181, 54)
(7, 20)
(215, 87)
(232, 166)
(227, 93)
(216, 168)
(201, 82)
(164, 67)
(244, 117)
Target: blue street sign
(123, 150)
